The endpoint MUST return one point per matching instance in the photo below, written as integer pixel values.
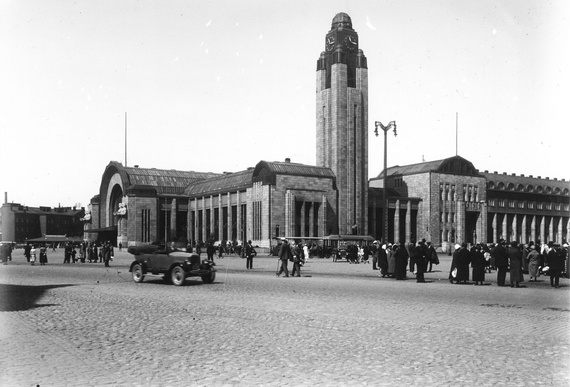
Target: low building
(21, 223)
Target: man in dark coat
(555, 262)
(249, 254)
(515, 264)
(501, 262)
(284, 255)
(420, 261)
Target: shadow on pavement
(15, 298)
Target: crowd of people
(473, 262)
(517, 259)
(72, 253)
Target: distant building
(21, 223)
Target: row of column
(532, 227)
(207, 203)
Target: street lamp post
(391, 125)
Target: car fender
(143, 265)
(183, 266)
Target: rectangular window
(145, 226)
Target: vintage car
(174, 266)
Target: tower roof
(341, 20)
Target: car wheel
(209, 278)
(177, 276)
(138, 274)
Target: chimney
(287, 160)
(5, 197)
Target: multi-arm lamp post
(391, 125)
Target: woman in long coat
(391, 256)
(533, 262)
(478, 263)
(515, 263)
(463, 262)
(401, 259)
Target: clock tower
(342, 122)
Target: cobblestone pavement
(337, 325)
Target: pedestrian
(73, 254)
(43, 255)
(400, 261)
(249, 254)
(284, 255)
(120, 246)
(501, 261)
(478, 263)
(199, 249)
(4, 253)
(297, 259)
(555, 261)
(382, 259)
(375, 251)
(221, 250)
(410, 248)
(67, 253)
(515, 264)
(391, 255)
(27, 249)
(533, 262)
(419, 257)
(108, 254)
(432, 257)
(566, 259)
(306, 253)
(463, 261)
(453, 269)
(33, 255)
(210, 250)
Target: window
(521, 204)
(501, 202)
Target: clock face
(351, 42)
(330, 43)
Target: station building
(445, 201)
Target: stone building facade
(342, 121)
(457, 203)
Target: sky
(216, 86)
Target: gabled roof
(266, 171)
(222, 183)
(152, 180)
(164, 177)
(456, 165)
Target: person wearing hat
(375, 250)
(515, 264)
(249, 254)
(382, 254)
(284, 255)
(533, 262)
(555, 262)
(453, 268)
(501, 261)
